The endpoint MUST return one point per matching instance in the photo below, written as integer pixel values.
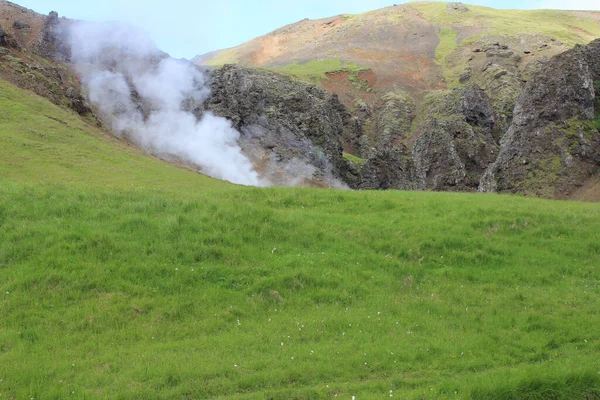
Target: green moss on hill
(315, 71)
(447, 44)
(355, 159)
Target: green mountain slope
(125, 277)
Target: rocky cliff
(450, 96)
(536, 135)
(289, 128)
(456, 142)
(553, 143)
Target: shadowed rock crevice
(455, 140)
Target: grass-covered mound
(124, 277)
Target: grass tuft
(355, 159)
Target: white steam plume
(149, 97)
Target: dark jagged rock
(552, 145)
(391, 167)
(454, 143)
(53, 44)
(476, 107)
(456, 140)
(281, 120)
(592, 57)
(7, 40)
(18, 24)
(387, 162)
(76, 101)
(396, 115)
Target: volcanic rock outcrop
(285, 123)
(33, 49)
(553, 143)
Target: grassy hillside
(43, 143)
(124, 277)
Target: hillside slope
(511, 122)
(480, 123)
(42, 143)
(122, 276)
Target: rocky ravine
(551, 146)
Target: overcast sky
(185, 28)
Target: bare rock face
(19, 24)
(552, 145)
(396, 115)
(456, 140)
(285, 124)
(379, 136)
(53, 44)
(460, 7)
(391, 167)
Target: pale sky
(185, 28)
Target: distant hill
(416, 46)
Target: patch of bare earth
(347, 90)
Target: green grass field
(122, 277)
